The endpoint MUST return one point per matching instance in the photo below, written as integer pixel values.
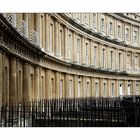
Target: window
(42, 29)
(51, 38)
(61, 46)
(103, 58)
(32, 84)
(127, 34)
(102, 24)
(87, 89)
(79, 88)
(52, 87)
(71, 89)
(78, 16)
(104, 90)
(95, 55)
(61, 88)
(129, 89)
(87, 53)
(128, 61)
(70, 15)
(137, 89)
(94, 20)
(69, 46)
(1, 36)
(136, 62)
(19, 83)
(113, 90)
(135, 36)
(119, 31)
(96, 89)
(119, 61)
(85, 17)
(121, 90)
(78, 50)
(111, 59)
(110, 28)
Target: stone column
(138, 37)
(1, 80)
(91, 53)
(133, 64)
(56, 42)
(99, 55)
(123, 31)
(25, 18)
(138, 88)
(18, 19)
(100, 87)
(30, 23)
(57, 84)
(47, 32)
(66, 85)
(108, 58)
(116, 88)
(13, 82)
(74, 47)
(98, 22)
(48, 84)
(125, 61)
(58, 49)
(125, 88)
(131, 34)
(75, 86)
(44, 34)
(92, 87)
(91, 21)
(133, 90)
(115, 28)
(83, 51)
(116, 59)
(42, 31)
(108, 88)
(26, 82)
(83, 86)
(36, 96)
(66, 43)
(37, 27)
(82, 18)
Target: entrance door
(121, 90)
(129, 89)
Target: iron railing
(81, 112)
(34, 37)
(23, 28)
(11, 18)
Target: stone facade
(68, 55)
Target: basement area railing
(81, 112)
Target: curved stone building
(68, 55)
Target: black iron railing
(81, 112)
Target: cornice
(129, 19)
